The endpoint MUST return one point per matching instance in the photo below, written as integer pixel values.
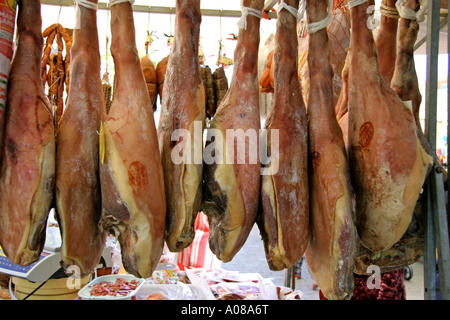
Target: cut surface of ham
(284, 219)
(333, 237)
(131, 175)
(388, 164)
(77, 188)
(232, 184)
(182, 110)
(28, 153)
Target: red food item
(155, 296)
(120, 287)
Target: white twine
(242, 23)
(410, 14)
(354, 3)
(319, 25)
(421, 12)
(296, 13)
(85, 3)
(113, 2)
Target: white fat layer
(139, 224)
(40, 204)
(233, 219)
(380, 219)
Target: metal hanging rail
(158, 9)
(442, 24)
(436, 223)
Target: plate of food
(111, 287)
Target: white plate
(85, 292)
(179, 291)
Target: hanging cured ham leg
(78, 200)
(404, 80)
(386, 40)
(387, 161)
(333, 238)
(410, 247)
(182, 111)
(131, 173)
(232, 187)
(285, 192)
(28, 154)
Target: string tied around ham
(242, 23)
(410, 14)
(389, 12)
(296, 13)
(313, 27)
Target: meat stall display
(313, 144)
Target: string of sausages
(55, 68)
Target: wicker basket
(53, 289)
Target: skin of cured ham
(333, 239)
(182, 109)
(341, 107)
(232, 187)
(28, 154)
(77, 189)
(386, 42)
(404, 80)
(131, 175)
(388, 164)
(284, 219)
